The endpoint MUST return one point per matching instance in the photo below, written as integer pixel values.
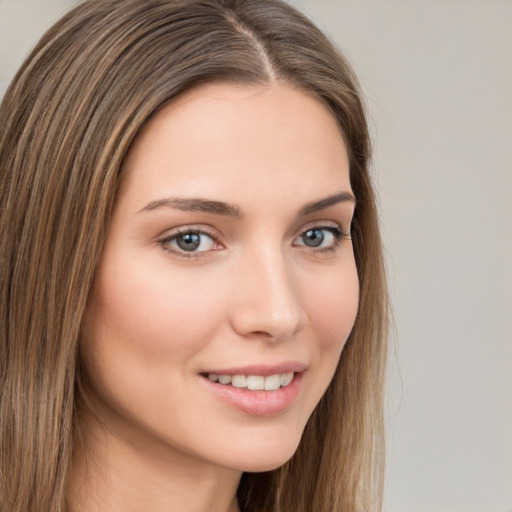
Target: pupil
(313, 237)
(189, 241)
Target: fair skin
(228, 254)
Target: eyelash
(338, 236)
(164, 242)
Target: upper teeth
(254, 382)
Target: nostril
(268, 305)
(272, 330)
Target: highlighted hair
(66, 124)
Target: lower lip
(258, 403)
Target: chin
(267, 456)
(262, 464)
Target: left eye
(320, 237)
(190, 241)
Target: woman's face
(228, 267)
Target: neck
(112, 474)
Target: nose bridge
(268, 303)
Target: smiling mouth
(253, 382)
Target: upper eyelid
(211, 231)
(192, 228)
(214, 233)
(319, 223)
(326, 224)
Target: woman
(192, 291)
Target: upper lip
(263, 370)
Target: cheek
(151, 313)
(333, 308)
(332, 311)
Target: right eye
(189, 242)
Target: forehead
(248, 137)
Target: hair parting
(67, 122)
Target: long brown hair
(66, 123)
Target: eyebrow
(195, 205)
(231, 210)
(325, 203)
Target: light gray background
(438, 79)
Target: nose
(266, 299)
